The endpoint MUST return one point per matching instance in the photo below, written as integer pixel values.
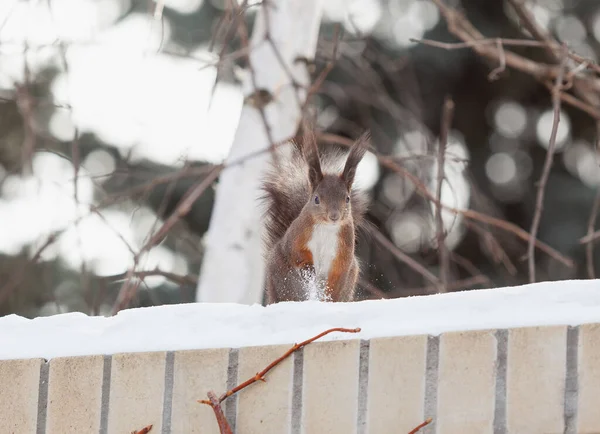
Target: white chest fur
(323, 245)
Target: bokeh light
(359, 17)
(501, 168)
(544, 129)
(100, 164)
(510, 119)
(367, 172)
(570, 29)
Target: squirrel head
(331, 197)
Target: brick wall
(522, 380)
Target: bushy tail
(286, 189)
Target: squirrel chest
(324, 246)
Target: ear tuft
(357, 152)
(311, 154)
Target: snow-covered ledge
(510, 360)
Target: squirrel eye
(347, 199)
(317, 201)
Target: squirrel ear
(315, 176)
(311, 155)
(356, 154)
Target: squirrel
(311, 219)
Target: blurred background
(111, 109)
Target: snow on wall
(205, 325)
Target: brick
(535, 383)
(466, 383)
(265, 407)
(588, 417)
(330, 387)
(74, 395)
(19, 401)
(396, 385)
(195, 374)
(136, 391)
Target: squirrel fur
(311, 218)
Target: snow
(207, 325)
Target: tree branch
(539, 202)
(215, 402)
(441, 242)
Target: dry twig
(589, 248)
(187, 279)
(404, 258)
(423, 425)
(144, 430)
(128, 290)
(462, 28)
(539, 202)
(441, 236)
(215, 402)
(423, 191)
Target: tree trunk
(233, 265)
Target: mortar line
(501, 372)
(168, 393)
(104, 406)
(431, 382)
(363, 386)
(43, 397)
(232, 381)
(571, 380)
(298, 381)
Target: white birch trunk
(233, 264)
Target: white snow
(206, 325)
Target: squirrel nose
(334, 216)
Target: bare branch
(447, 113)
(422, 190)
(215, 402)
(539, 202)
(404, 258)
(589, 248)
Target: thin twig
(589, 248)
(422, 190)
(210, 171)
(314, 88)
(462, 28)
(447, 113)
(404, 258)
(215, 402)
(495, 73)
(373, 289)
(590, 237)
(188, 279)
(508, 42)
(423, 425)
(17, 278)
(468, 266)
(539, 202)
(536, 31)
(260, 376)
(493, 246)
(242, 31)
(224, 427)
(128, 291)
(144, 430)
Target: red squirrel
(312, 214)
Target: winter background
(110, 110)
